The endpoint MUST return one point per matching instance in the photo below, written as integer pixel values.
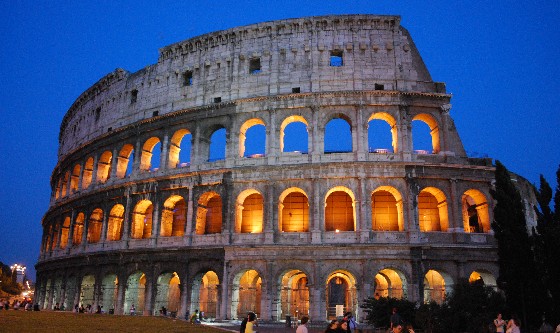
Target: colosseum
(269, 168)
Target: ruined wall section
(293, 55)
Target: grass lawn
(66, 322)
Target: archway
(252, 138)
(142, 220)
(94, 226)
(293, 211)
(294, 135)
(104, 167)
(168, 293)
(339, 210)
(432, 210)
(135, 292)
(173, 216)
(382, 134)
(294, 294)
(425, 138)
(476, 217)
(205, 294)
(387, 209)
(390, 283)
(437, 285)
(249, 212)
(246, 294)
(338, 135)
(180, 149)
(341, 294)
(78, 229)
(209, 214)
(115, 222)
(149, 160)
(123, 161)
(109, 289)
(87, 290)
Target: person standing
(303, 327)
(499, 323)
(395, 318)
(251, 320)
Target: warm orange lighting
(337, 230)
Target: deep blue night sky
(499, 59)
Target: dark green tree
(547, 248)
(518, 277)
(8, 284)
(379, 310)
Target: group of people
(397, 323)
(197, 317)
(346, 325)
(508, 326)
(26, 304)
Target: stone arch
(64, 232)
(48, 293)
(217, 143)
(293, 294)
(70, 295)
(109, 290)
(390, 282)
(247, 125)
(340, 209)
(246, 293)
(87, 290)
(249, 212)
(78, 229)
(104, 166)
(65, 184)
(175, 148)
(485, 277)
(115, 223)
(57, 188)
(75, 178)
(126, 155)
(142, 220)
(173, 216)
(209, 214)
(205, 293)
(341, 293)
(88, 173)
(432, 210)
(387, 209)
(288, 121)
(95, 224)
(168, 293)
(387, 118)
(293, 210)
(135, 292)
(476, 217)
(146, 162)
(434, 130)
(437, 285)
(333, 138)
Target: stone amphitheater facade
(149, 209)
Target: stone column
(156, 218)
(269, 226)
(317, 139)
(164, 156)
(71, 231)
(87, 216)
(225, 298)
(364, 210)
(184, 299)
(81, 176)
(359, 135)
(114, 162)
(119, 309)
(316, 212)
(94, 170)
(148, 296)
(127, 217)
(456, 218)
(104, 225)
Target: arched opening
(168, 293)
(75, 178)
(115, 223)
(217, 149)
(150, 158)
(88, 173)
(432, 210)
(57, 188)
(436, 286)
(339, 210)
(134, 294)
(294, 295)
(249, 212)
(293, 135)
(78, 229)
(294, 211)
(48, 293)
(104, 167)
(485, 277)
(87, 291)
(382, 133)
(209, 214)
(142, 220)
(173, 217)
(476, 217)
(387, 209)
(425, 134)
(390, 283)
(341, 294)
(205, 294)
(109, 288)
(252, 138)
(338, 135)
(64, 232)
(247, 296)
(94, 226)
(124, 161)
(56, 292)
(180, 149)
(65, 184)
(70, 295)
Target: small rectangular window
(379, 87)
(109, 129)
(217, 99)
(188, 78)
(295, 90)
(133, 96)
(336, 58)
(155, 113)
(97, 113)
(255, 66)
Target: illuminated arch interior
(123, 160)
(104, 167)
(65, 184)
(434, 130)
(94, 226)
(486, 277)
(64, 232)
(341, 294)
(340, 210)
(390, 283)
(432, 210)
(168, 293)
(173, 216)
(387, 209)
(109, 289)
(476, 216)
(142, 220)
(135, 292)
(209, 214)
(78, 229)
(115, 223)
(249, 212)
(175, 149)
(293, 211)
(387, 118)
(294, 295)
(88, 173)
(437, 285)
(247, 294)
(292, 120)
(146, 161)
(75, 178)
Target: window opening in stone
(338, 136)
(296, 90)
(87, 290)
(434, 287)
(142, 220)
(207, 295)
(217, 99)
(75, 178)
(341, 294)
(115, 223)
(483, 277)
(94, 226)
(425, 135)
(173, 217)
(125, 161)
(78, 229)
(104, 167)
(151, 153)
(209, 214)
(180, 149)
(217, 150)
(88, 173)
(294, 295)
(475, 212)
(380, 137)
(133, 96)
(65, 184)
(135, 293)
(432, 210)
(252, 139)
(248, 294)
(97, 114)
(109, 288)
(336, 58)
(294, 213)
(188, 78)
(295, 138)
(388, 283)
(109, 129)
(255, 65)
(155, 113)
(64, 233)
(379, 86)
(384, 211)
(252, 214)
(167, 294)
(339, 212)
